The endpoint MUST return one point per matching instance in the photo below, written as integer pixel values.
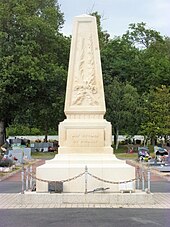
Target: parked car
(143, 154)
(161, 154)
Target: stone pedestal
(85, 136)
(104, 166)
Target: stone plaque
(85, 137)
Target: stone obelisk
(85, 137)
(85, 130)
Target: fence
(143, 179)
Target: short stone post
(137, 176)
(86, 173)
(31, 177)
(149, 180)
(22, 173)
(27, 179)
(143, 179)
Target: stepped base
(106, 167)
(115, 199)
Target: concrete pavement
(11, 201)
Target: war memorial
(85, 170)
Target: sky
(118, 14)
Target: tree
(156, 121)
(151, 65)
(141, 36)
(141, 57)
(118, 60)
(103, 35)
(31, 51)
(122, 108)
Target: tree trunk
(116, 134)
(117, 141)
(46, 134)
(145, 141)
(165, 139)
(154, 141)
(2, 133)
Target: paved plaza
(10, 201)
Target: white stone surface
(92, 198)
(104, 166)
(85, 137)
(36, 200)
(84, 93)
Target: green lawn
(126, 155)
(3, 174)
(50, 155)
(121, 153)
(46, 155)
(122, 150)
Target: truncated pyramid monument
(85, 136)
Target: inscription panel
(85, 137)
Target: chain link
(63, 181)
(144, 176)
(111, 182)
(81, 174)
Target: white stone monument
(85, 137)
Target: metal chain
(63, 181)
(139, 175)
(73, 178)
(110, 182)
(144, 176)
(81, 174)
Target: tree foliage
(33, 56)
(33, 67)
(141, 36)
(156, 120)
(103, 35)
(122, 108)
(141, 59)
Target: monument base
(105, 171)
(86, 200)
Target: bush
(17, 129)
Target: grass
(46, 155)
(120, 153)
(127, 155)
(2, 174)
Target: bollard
(143, 180)
(22, 179)
(86, 173)
(149, 180)
(31, 177)
(27, 179)
(137, 176)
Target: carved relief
(85, 88)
